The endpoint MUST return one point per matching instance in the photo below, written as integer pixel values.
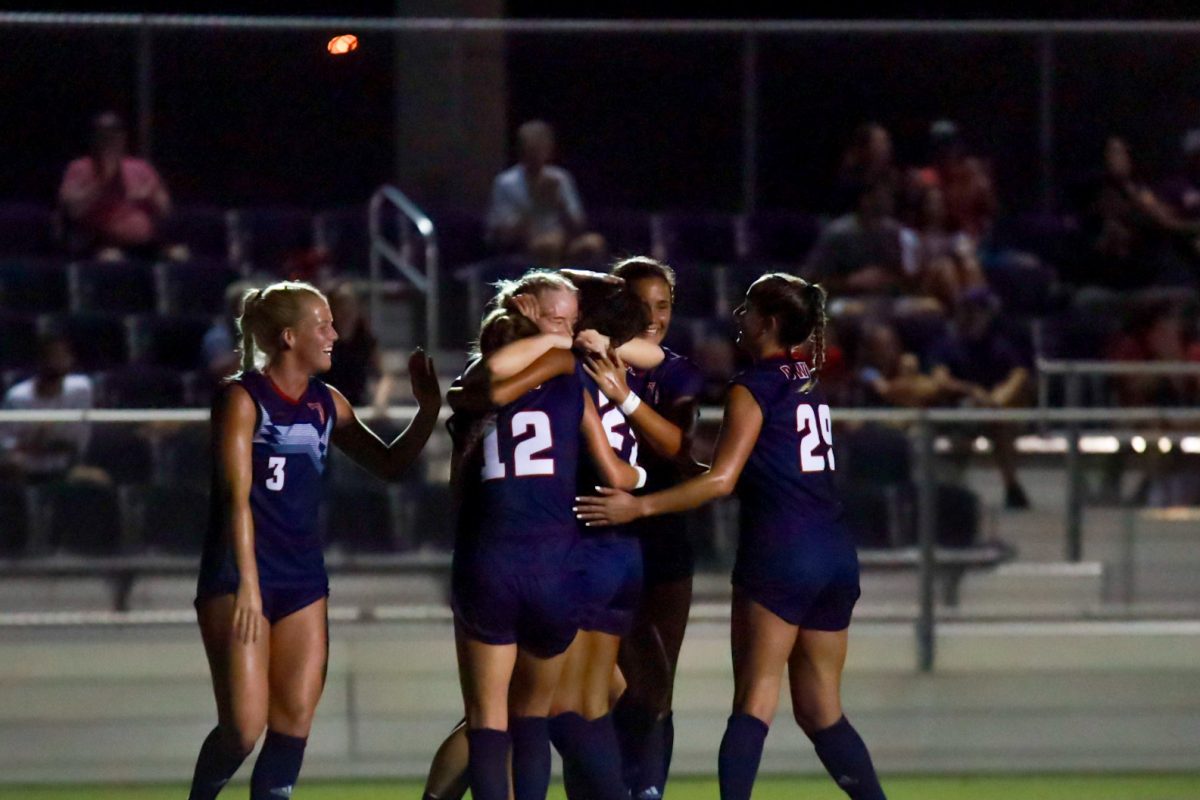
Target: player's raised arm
(739, 431)
(234, 419)
(613, 471)
(390, 460)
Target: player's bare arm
(234, 419)
(613, 471)
(391, 460)
(739, 431)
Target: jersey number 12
(525, 454)
(813, 434)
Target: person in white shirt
(535, 208)
(47, 451)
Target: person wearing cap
(112, 203)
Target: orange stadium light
(340, 45)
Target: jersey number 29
(813, 434)
(525, 454)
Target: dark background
(644, 121)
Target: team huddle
(572, 571)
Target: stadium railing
(1062, 435)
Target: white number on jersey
(815, 428)
(610, 420)
(276, 464)
(525, 455)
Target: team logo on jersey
(320, 409)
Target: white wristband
(630, 403)
(641, 472)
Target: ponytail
(815, 295)
(799, 309)
(245, 326)
(265, 315)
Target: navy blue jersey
(618, 430)
(289, 452)
(786, 489)
(675, 379)
(520, 482)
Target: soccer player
(664, 423)
(796, 574)
(605, 571)
(513, 615)
(262, 591)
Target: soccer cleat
(652, 793)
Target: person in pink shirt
(113, 203)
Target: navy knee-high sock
(220, 756)
(277, 767)
(591, 757)
(568, 734)
(635, 724)
(667, 726)
(845, 756)
(741, 752)
(487, 763)
(531, 757)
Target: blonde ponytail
(265, 315)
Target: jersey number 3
(276, 464)
(813, 434)
(525, 454)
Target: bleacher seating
(124, 287)
(26, 229)
(30, 284)
(193, 287)
(269, 239)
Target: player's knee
(244, 736)
(815, 714)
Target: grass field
(1141, 787)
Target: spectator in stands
(860, 252)
(1133, 234)
(46, 451)
(976, 352)
(945, 262)
(112, 203)
(1182, 191)
(535, 209)
(889, 376)
(1155, 331)
(965, 181)
(867, 160)
(357, 362)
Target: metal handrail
(408, 214)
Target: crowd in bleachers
(941, 297)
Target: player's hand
(592, 342)
(578, 276)
(247, 613)
(612, 507)
(424, 380)
(527, 305)
(609, 374)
